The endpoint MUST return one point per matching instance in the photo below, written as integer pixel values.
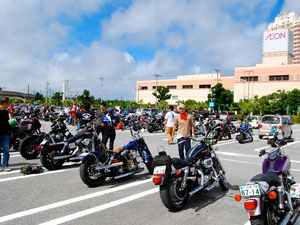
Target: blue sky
(129, 40)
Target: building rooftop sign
(278, 41)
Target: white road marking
(226, 143)
(248, 223)
(35, 175)
(11, 172)
(289, 144)
(99, 208)
(70, 201)
(236, 154)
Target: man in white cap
(186, 129)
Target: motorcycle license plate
(159, 170)
(250, 190)
(43, 142)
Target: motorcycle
(54, 154)
(199, 127)
(272, 197)
(22, 128)
(30, 147)
(179, 179)
(222, 130)
(245, 133)
(155, 124)
(118, 163)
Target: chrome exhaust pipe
(109, 166)
(123, 175)
(286, 220)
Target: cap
(181, 106)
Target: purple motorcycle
(272, 197)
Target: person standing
(100, 114)
(4, 133)
(169, 123)
(184, 123)
(11, 110)
(110, 124)
(73, 115)
(85, 115)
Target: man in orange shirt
(186, 129)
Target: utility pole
(47, 91)
(28, 89)
(156, 77)
(101, 78)
(217, 71)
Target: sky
(127, 40)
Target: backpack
(29, 169)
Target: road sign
(211, 104)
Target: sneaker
(7, 170)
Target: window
(279, 77)
(144, 88)
(204, 86)
(172, 87)
(187, 86)
(174, 97)
(154, 87)
(250, 78)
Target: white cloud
(291, 6)
(189, 36)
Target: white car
(255, 121)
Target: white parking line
(70, 201)
(11, 172)
(99, 208)
(36, 175)
(236, 154)
(289, 144)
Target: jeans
(4, 144)
(183, 143)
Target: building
(290, 21)
(196, 87)
(279, 69)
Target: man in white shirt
(169, 123)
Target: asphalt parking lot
(60, 197)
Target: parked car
(150, 111)
(254, 121)
(282, 122)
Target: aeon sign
(276, 36)
(278, 41)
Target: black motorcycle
(179, 179)
(22, 129)
(54, 154)
(117, 163)
(155, 124)
(30, 147)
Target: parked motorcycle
(222, 130)
(179, 179)
(245, 133)
(272, 197)
(118, 163)
(22, 128)
(54, 154)
(155, 124)
(30, 147)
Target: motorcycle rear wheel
(48, 161)
(27, 148)
(171, 195)
(88, 176)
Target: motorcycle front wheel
(171, 194)
(89, 175)
(27, 148)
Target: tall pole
(156, 77)
(217, 71)
(101, 78)
(28, 89)
(47, 91)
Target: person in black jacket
(4, 133)
(110, 123)
(100, 114)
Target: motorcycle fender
(165, 178)
(259, 209)
(99, 156)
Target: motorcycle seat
(270, 177)
(117, 150)
(180, 162)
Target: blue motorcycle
(96, 166)
(245, 133)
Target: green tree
(38, 96)
(56, 98)
(221, 96)
(163, 105)
(161, 94)
(86, 97)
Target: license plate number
(250, 190)
(159, 170)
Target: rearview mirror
(262, 152)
